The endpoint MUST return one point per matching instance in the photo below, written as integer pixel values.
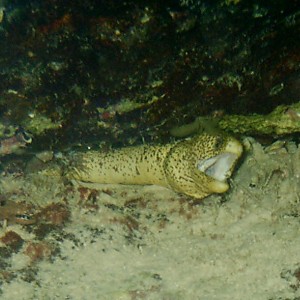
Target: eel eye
(218, 143)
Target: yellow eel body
(196, 167)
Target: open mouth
(218, 167)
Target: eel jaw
(220, 167)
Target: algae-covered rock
(38, 123)
(282, 120)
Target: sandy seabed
(147, 242)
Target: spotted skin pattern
(172, 165)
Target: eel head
(201, 166)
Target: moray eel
(196, 167)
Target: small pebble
(45, 156)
